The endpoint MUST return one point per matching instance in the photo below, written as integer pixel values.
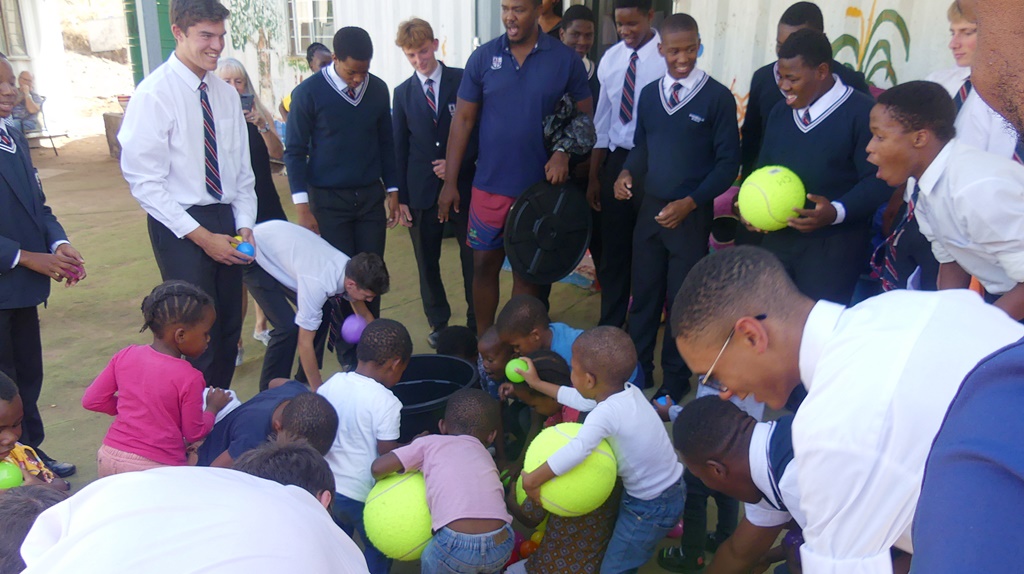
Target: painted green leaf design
(882, 46)
(891, 16)
(843, 42)
(890, 73)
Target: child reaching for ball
(472, 528)
(154, 395)
(33, 470)
(602, 360)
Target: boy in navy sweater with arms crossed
(687, 146)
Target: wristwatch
(265, 128)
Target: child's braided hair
(173, 302)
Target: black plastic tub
(425, 388)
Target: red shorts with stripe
(487, 215)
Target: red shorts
(487, 215)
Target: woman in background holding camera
(264, 144)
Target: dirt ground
(84, 326)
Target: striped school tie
(883, 261)
(6, 141)
(962, 93)
(351, 93)
(1018, 152)
(673, 100)
(806, 118)
(432, 99)
(210, 144)
(628, 89)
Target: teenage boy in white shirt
(186, 159)
(297, 266)
(859, 448)
(969, 203)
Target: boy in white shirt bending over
(602, 361)
(370, 418)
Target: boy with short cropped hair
(286, 407)
(651, 475)
(423, 108)
(969, 203)
(494, 355)
(472, 528)
(369, 416)
(687, 148)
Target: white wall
(45, 47)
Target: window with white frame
(310, 21)
(12, 37)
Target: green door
(166, 39)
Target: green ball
(10, 475)
(510, 370)
(582, 489)
(396, 516)
(769, 196)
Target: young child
(12, 413)
(688, 150)
(651, 475)
(581, 540)
(154, 395)
(472, 528)
(370, 417)
(734, 454)
(288, 407)
(458, 341)
(494, 355)
(524, 325)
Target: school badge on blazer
(496, 63)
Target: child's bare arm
(532, 481)
(386, 446)
(385, 465)
(532, 379)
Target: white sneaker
(240, 358)
(262, 336)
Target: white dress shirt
(303, 262)
(611, 73)
(436, 76)
(162, 148)
(783, 491)
(688, 83)
(950, 78)
(647, 463)
(819, 110)
(880, 377)
(971, 209)
(977, 124)
(189, 519)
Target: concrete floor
(84, 326)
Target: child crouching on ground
(33, 470)
(578, 540)
(472, 530)
(602, 360)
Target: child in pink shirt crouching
(472, 527)
(155, 395)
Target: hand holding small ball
(514, 368)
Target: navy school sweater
(830, 157)
(692, 150)
(333, 142)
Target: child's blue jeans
(639, 528)
(348, 515)
(454, 552)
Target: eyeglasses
(706, 378)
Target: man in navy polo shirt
(511, 83)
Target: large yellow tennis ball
(396, 516)
(769, 196)
(582, 489)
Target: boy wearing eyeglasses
(602, 360)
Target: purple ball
(352, 329)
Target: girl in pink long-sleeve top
(153, 393)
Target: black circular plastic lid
(547, 232)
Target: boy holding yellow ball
(602, 361)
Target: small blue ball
(246, 248)
(662, 400)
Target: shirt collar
(688, 83)
(818, 329)
(827, 100)
(934, 171)
(436, 76)
(759, 464)
(339, 83)
(182, 71)
(543, 42)
(648, 50)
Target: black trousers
(183, 260)
(823, 267)
(661, 259)
(427, 234)
(617, 220)
(695, 516)
(352, 220)
(21, 359)
(913, 250)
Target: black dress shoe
(61, 469)
(432, 337)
